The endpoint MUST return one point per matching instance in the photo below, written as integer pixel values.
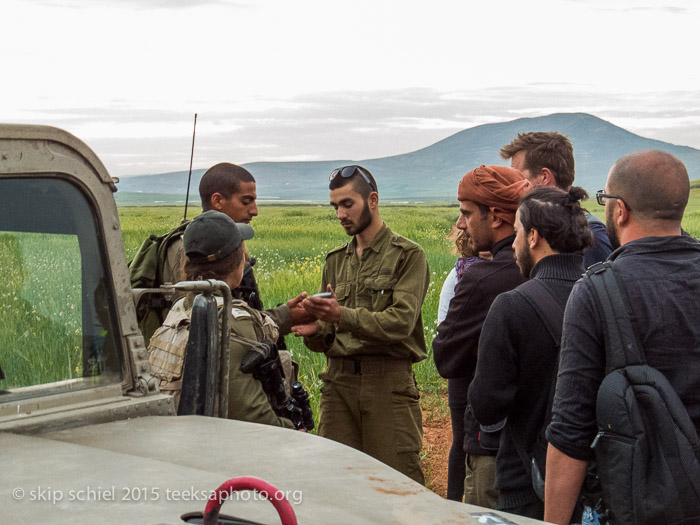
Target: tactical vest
(166, 350)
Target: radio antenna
(189, 177)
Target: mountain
(431, 173)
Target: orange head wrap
(498, 187)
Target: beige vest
(166, 350)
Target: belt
(369, 365)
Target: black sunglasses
(600, 196)
(349, 171)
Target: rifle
(263, 361)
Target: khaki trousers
(372, 404)
(480, 483)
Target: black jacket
(662, 278)
(456, 346)
(516, 370)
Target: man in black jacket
(518, 355)
(489, 197)
(659, 268)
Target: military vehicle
(85, 435)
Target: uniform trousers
(372, 404)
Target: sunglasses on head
(349, 171)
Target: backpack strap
(550, 310)
(165, 241)
(621, 344)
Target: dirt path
(437, 440)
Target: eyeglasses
(349, 171)
(600, 196)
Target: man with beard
(517, 364)
(370, 329)
(659, 269)
(488, 198)
(546, 158)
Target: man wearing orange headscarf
(488, 198)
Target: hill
(433, 172)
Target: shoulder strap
(165, 241)
(548, 307)
(254, 314)
(621, 344)
(551, 311)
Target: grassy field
(40, 339)
(290, 245)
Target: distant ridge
(430, 173)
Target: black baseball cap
(213, 235)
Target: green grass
(40, 336)
(290, 245)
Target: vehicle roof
(61, 139)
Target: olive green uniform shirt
(380, 295)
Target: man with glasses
(602, 198)
(644, 198)
(546, 158)
(370, 329)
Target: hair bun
(576, 194)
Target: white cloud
(315, 79)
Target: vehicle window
(57, 324)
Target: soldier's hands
(327, 310)
(304, 330)
(297, 312)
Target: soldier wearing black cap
(213, 245)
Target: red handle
(283, 507)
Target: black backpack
(647, 446)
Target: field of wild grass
(40, 332)
(42, 312)
(290, 245)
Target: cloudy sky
(321, 79)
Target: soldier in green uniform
(370, 329)
(213, 244)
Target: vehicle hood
(152, 470)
